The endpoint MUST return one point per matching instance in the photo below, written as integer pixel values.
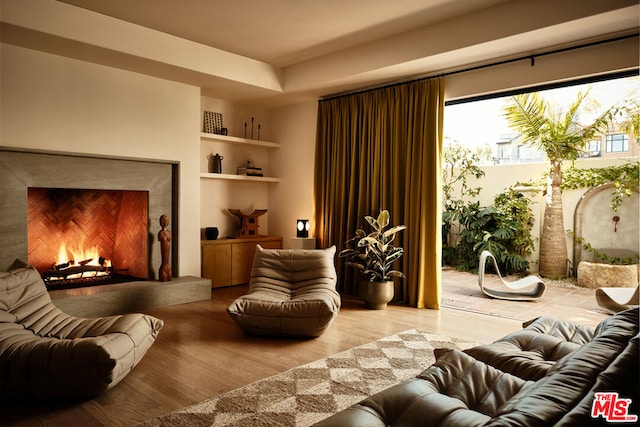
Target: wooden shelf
(236, 140)
(244, 178)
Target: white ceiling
(282, 51)
(283, 32)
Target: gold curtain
(381, 149)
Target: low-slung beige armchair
(45, 353)
(292, 292)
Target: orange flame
(80, 254)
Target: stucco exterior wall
(599, 215)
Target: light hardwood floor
(201, 353)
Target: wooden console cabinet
(228, 262)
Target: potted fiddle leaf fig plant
(373, 255)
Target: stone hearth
(106, 300)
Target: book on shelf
(250, 171)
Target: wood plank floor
(201, 353)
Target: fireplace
(86, 237)
(40, 199)
(134, 181)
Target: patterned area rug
(309, 393)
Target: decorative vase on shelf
(211, 233)
(215, 163)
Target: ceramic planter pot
(376, 295)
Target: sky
(474, 124)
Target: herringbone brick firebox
(83, 224)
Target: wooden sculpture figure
(248, 223)
(164, 237)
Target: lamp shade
(302, 228)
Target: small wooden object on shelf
(248, 222)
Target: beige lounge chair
(527, 288)
(47, 354)
(617, 299)
(292, 292)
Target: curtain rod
(531, 58)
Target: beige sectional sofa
(45, 353)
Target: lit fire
(80, 254)
(74, 259)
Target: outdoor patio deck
(460, 291)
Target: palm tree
(560, 135)
(628, 115)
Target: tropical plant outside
(561, 136)
(476, 127)
(460, 164)
(504, 228)
(625, 178)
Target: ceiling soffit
(525, 27)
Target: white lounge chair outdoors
(527, 288)
(617, 299)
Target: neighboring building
(615, 145)
(510, 150)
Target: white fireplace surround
(21, 169)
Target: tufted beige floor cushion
(292, 292)
(45, 353)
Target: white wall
(293, 197)
(54, 103)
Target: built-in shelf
(237, 140)
(234, 140)
(206, 175)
